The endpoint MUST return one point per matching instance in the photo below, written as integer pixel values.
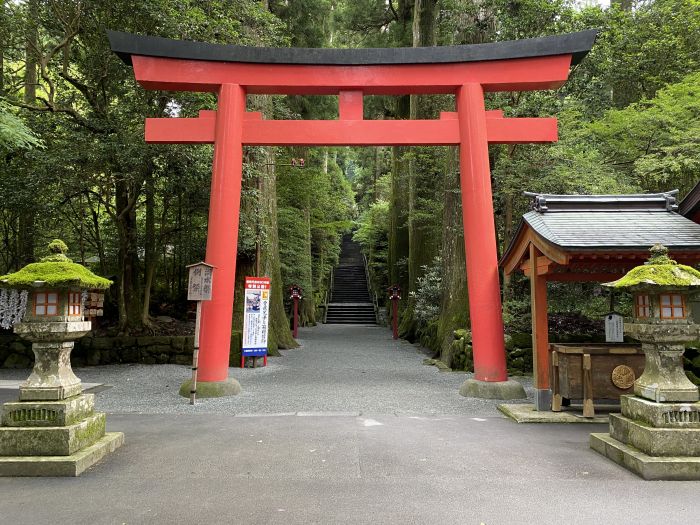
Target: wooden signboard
(614, 328)
(199, 286)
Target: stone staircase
(350, 302)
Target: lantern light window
(642, 306)
(74, 303)
(672, 306)
(46, 303)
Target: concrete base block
(526, 413)
(229, 387)
(672, 468)
(72, 465)
(51, 441)
(492, 390)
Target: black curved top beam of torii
(575, 44)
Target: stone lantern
(53, 429)
(658, 433)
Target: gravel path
(342, 369)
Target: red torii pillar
(471, 127)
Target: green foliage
(373, 226)
(138, 210)
(575, 164)
(429, 292)
(295, 257)
(14, 134)
(373, 235)
(656, 44)
(315, 207)
(655, 142)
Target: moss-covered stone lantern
(657, 435)
(53, 429)
(662, 321)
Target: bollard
(295, 295)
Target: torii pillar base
(228, 387)
(508, 389)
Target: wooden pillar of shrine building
(466, 72)
(590, 238)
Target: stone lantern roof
(55, 271)
(660, 272)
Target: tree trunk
(398, 233)
(129, 296)
(150, 259)
(421, 250)
(377, 172)
(307, 309)
(454, 307)
(508, 210)
(27, 216)
(280, 335)
(99, 245)
(397, 256)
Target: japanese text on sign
(200, 282)
(256, 316)
(614, 328)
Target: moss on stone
(56, 271)
(659, 275)
(58, 246)
(56, 275)
(660, 270)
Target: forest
(75, 165)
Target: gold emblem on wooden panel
(623, 377)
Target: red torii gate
(465, 71)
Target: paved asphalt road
(464, 466)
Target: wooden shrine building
(590, 238)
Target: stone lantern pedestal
(657, 434)
(53, 429)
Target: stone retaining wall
(92, 351)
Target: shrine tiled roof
(615, 229)
(589, 222)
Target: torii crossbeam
(465, 71)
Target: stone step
(350, 300)
(70, 466)
(672, 468)
(52, 441)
